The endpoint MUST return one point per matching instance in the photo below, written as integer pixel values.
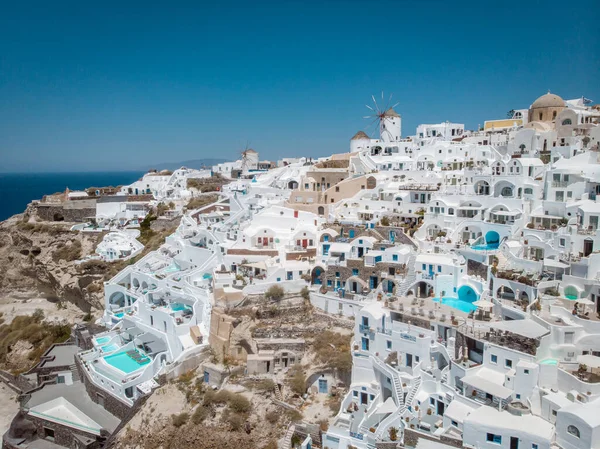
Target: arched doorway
(571, 292)
(321, 210)
(505, 292)
(588, 247)
(117, 299)
(316, 274)
(467, 294)
(292, 185)
(492, 238)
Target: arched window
(554, 115)
(573, 431)
(450, 211)
(567, 121)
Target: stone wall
(475, 268)
(59, 212)
(111, 403)
(411, 439)
(66, 436)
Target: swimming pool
(458, 304)
(119, 315)
(124, 362)
(109, 348)
(173, 268)
(571, 297)
(485, 247)
(177, 307)
(549, 362)
(102, 340)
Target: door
(588, 247)
(514, 443)
(365, 344)
(440, 408)
(206, 377)
(304, 243)
(360, 251)
(409, 360)
(364, 398)
(323, 386)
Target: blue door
(206, 377)
(325, 250)
(365, 344)
(322, 385)
(392, 236)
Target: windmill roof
(360, 135)
(249, 150)
(391, 113)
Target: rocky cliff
(40, 259)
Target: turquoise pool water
(549, 362)
(571, 297)
(173, 268)
(177, 307)
(207, 276)
(102, 340)
(485, 247)
(119, 315)
(458, 304)
(110, 348)
(123, 362)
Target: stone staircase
(410, 277)
(388, 370)
(503, 262)
(74, 373)
(287, 439)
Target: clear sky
(119, 85)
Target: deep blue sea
(19, 189)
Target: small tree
(393, 433)
(305, 293)
(275, 293)
(385, 221)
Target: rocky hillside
(39, 260)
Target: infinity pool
(177, 307)
(110, 348)
(549, 362)
(173, 268)
(119, 315)
(458, 304)
(102, 340)
(571, 297)
(124, 362)
(485, 247)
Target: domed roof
(548, 101)
(391, 113)
(360, 136)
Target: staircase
(398, 391)
(287, 439)
(410, 277)
(278, 394)
(74, 373)
(413, 392)
(502, 261)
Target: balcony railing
(560, 183)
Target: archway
(423, 289)
(492, 238)
(117, 299)
(58, 217)
(467, 294)
(292, 185)
(321, 210)
(135, 282)
(505, 292)
(482, 188)
(571, 292)
(315, 276)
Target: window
(454, 423)
(494, 358)
(573, 431)
(518, 396)
(389, 344)
(60, 379)
(492, 438)
(431, 401)
(508, 363)
(566, 122)
(354, 271)
(325, 238)
(355, 393)
(553, 412)
(526, 371)
(534, 446)
(48, 434)
(561, 243)
(395, 257)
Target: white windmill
(249, 159)
(390, 122)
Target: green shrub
(200, 414)
(275, 293)
(180, 420)
(239, 403)
(272, 417)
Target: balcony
(365, 329)
(381, 330)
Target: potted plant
(393, 433)
(429, 412)
(372, 429)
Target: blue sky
(119, 85)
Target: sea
(19, 189)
